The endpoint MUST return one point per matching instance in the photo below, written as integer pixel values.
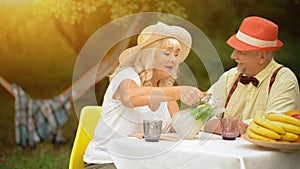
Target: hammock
(37, 120)
(41, 119)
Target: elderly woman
(141, 88)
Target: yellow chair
(88, 120)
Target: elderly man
(258, 84)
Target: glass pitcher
(188, 122)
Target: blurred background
(41, 40)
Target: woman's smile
(169, 68)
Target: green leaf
(201, 111)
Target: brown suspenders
(238, 79)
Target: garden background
(41, 40)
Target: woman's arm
(173, 107)
(132, 95)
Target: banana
(283, 118)
(267, 124)
(289, 137)
(253, 135)
(263, 131)
(288, 127)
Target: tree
(72, 16)
(77, 20)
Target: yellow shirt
(248, 100)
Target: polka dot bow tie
(246, 80)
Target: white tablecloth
(208, 152)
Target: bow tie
(246, 80)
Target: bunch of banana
(274, 127)
(289, 124)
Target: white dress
(119, 121)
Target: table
(208, 151)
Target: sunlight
(16, 1)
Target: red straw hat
(256, 33)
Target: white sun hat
(154, 33)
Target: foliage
(32, 55)
(77, 20)
(75, 11)
(284, 13)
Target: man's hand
(214, 126)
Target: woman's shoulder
(127, 73)
(128, 70)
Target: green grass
(44, 156)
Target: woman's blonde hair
(143, 62)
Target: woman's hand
(190, 95)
